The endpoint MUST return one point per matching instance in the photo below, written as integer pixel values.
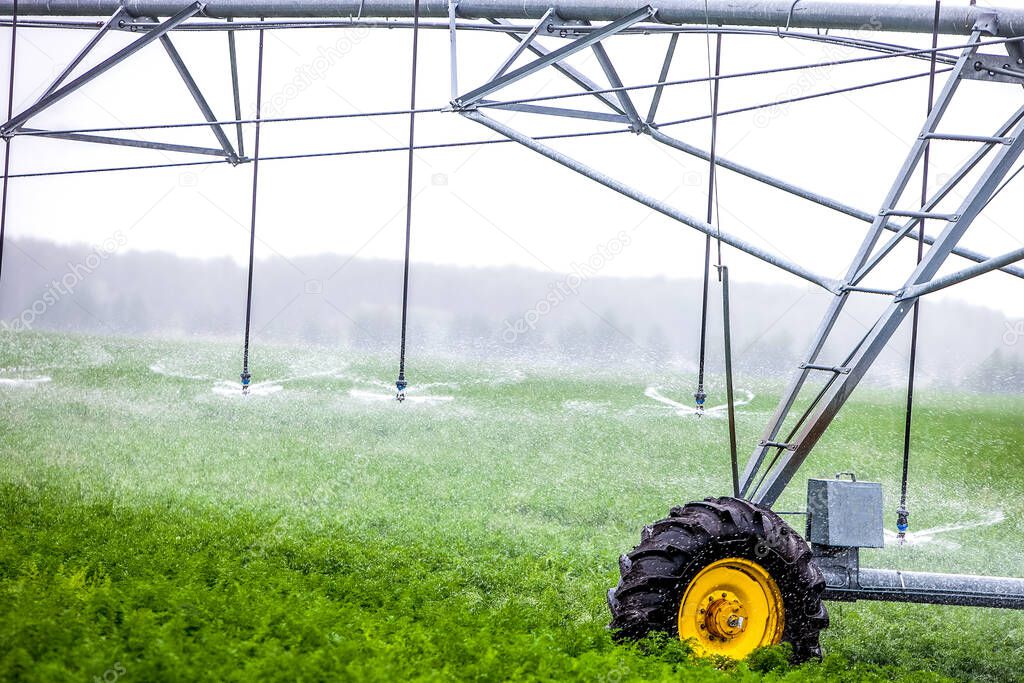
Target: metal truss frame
(780, 452)
(60, 88)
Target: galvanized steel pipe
(918, 18)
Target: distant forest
(331, 299)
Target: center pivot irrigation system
(727, 572)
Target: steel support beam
(651, 202)
(473, 96)
(625, 101)
(73, 64)
(235, 92)
(560, 111)
(670, 53)
(956, 278)
(452, 46)
(201, 102)
(127, 142)
(179, 17)
(809, 14)
(903, 231)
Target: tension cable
(400, 383)
(700, 396)
(7, 141)
(902, 513)
(246, 377)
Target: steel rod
(200, 99)
(523, 44)
(956, 278)
(7, 140)
(143, 144)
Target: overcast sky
(497, 204)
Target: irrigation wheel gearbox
(727, 576)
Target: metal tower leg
(888, 322)
(770, 439)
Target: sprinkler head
(400, 385)
(902, 524)
(699, 397)
(246, 380)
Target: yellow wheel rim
(731, 608)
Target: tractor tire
(726, 575)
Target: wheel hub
(725, 616)
(732, 607)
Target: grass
(155, 530)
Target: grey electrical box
(844, 513)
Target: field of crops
(157, 526)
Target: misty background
(514, 313)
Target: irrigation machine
(727, 572)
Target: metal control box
(844, 513)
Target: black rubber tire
(674, 550)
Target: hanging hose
(902, 513)
(7, 141)
(246, 377)
(400, 383)
(700, 396)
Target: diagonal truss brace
(651, 202)
(524, 42)
(582, 43)
(116, 17)
(197, 95)
(60, 93)
(625, 101)
(565, 69)
(127, 142)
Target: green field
(153, 529)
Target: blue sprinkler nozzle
(699, 396)
(902, 523)
(400, 385)
(246, 380)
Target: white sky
(500, 204)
